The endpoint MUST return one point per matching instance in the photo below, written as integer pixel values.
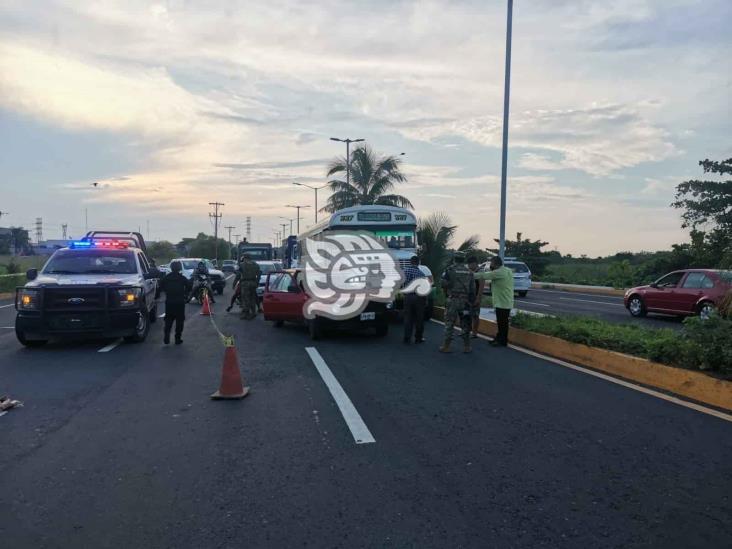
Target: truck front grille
(71, 299)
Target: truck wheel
(315, 329)
(382, 328)
(141, 330)
(29, 342)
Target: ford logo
(76, 300)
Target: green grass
(592, 274)
(702, 345)
(9, 283)
(24, 262)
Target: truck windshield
(91, 262)
(257, 253)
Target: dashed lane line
(360, 432)
(6, 306)
(605, 377)
(111, 346)
(590, 301)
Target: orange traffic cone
(206, 308)
(231, 383)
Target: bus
(257, 251)
(395, 227)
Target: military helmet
(459, 257)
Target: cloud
(275, 165)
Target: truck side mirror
(31, 274)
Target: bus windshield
(395, 239)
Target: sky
(171, 105)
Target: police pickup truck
(103, 285)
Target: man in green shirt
(501, 279)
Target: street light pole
(348, 154)
(298, 214)
(316, 189)
(504, 155)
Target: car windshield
(266, 268)
(518, 267)
(91, 262)
(189, 264)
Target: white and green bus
(395, 227)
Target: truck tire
(29, 342)
(141, 330)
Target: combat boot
(445, 347)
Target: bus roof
(362, 216)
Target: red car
(687, 292)
(284, 298)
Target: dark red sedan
(687, 292)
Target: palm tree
(435, 234)
(372, 180)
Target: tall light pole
(298, 214)
(288, 219)
(277, 238)
(316, 189)
(504, 155)
(348, 154)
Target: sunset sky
(171, 105)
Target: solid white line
(110, 346)
(360, 432)
(611, 379)
(565, 292)
(7, 327)
(533, 303)
(6, 306)
(590, 301)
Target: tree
(435, 234)
(372, 181)
(528, 251)
(204, 246)
(707, 202)
(162, 251)
(621, 274)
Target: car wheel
(706, 310)
(315, 329)
(154, 314)
(279, 323)
(141, 330)
(636, 306)
(29, 342)
(382, 328)
(523, 294)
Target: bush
(12, 267)
(703, 345)
(9, 283)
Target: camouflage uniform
(459, 284)
(250, 273)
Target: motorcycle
(201, 287)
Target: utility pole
(230, 227)
(249, 228)
(148, 230)
(348, 154)
(216, 216)
(298, 213)
(504, 155)
(86, 219)
(64, 227)
(39, 229)
(284, 230)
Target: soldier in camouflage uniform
(250, 273)
(459, 285)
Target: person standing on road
(501, 279)
(248, 283)
(475, 308)
(237, 289)
(414, 304)
(459, 285)
(176, 288)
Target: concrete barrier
(578, 288)
(689, 384)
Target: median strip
(360, 432)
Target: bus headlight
(129, 297)
(27, 300)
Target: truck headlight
(129, 297)
(27, 300)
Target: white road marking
(161, 315)
(7, 327)
(111, 346)
(563, 292)
(590, 301)
(360, 432)
(611, 379)
(6, 306)
(533, 303)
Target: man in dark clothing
(414, 304)
(176, 288)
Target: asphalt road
(494, 449)
(607, 308)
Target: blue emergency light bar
(98, 244)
